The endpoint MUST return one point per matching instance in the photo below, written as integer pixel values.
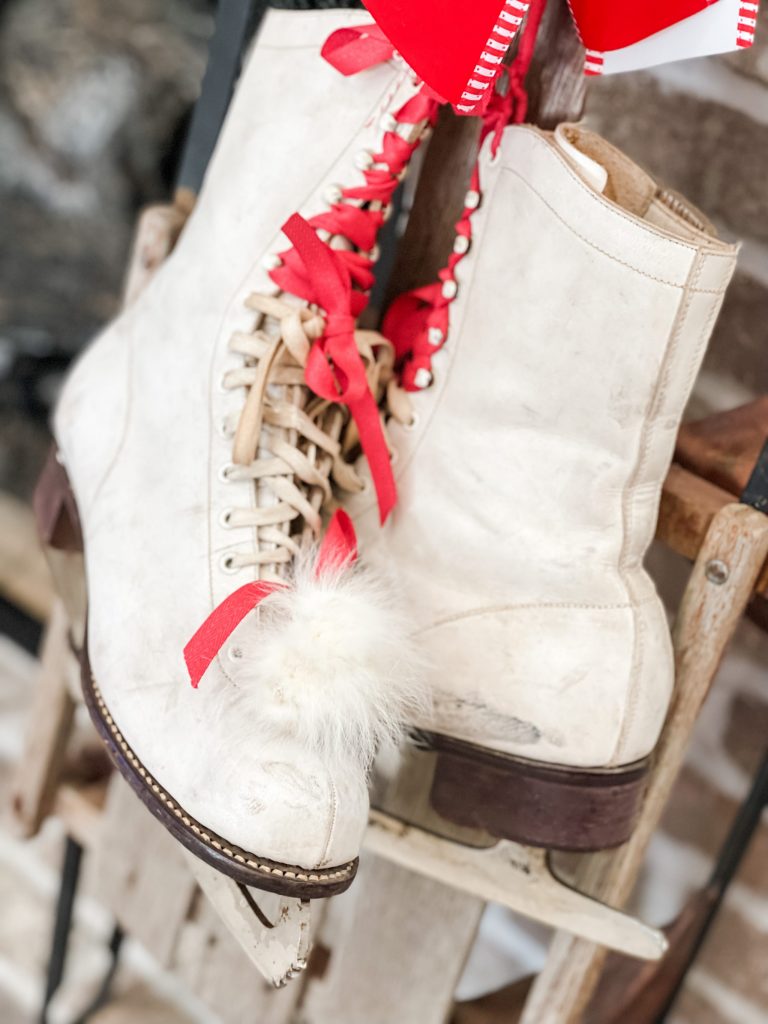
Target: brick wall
(702, 127)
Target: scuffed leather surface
(138, 426)
(530, 483)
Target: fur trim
(327, 662)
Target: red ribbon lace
(336, 281)
(417, 322)
(335, 369)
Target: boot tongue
(593, 173)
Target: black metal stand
(236, 22)
(62, 928)
(728, 862)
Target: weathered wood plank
(24, 577)
(393, 949)
(141, 873)
(49, 722)
(209, 960)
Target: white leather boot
(529, 471)
(200, 465)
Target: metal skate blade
(517, 877)
(274, 931)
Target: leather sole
(59, 527)
(534, 803)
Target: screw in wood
(717, 572)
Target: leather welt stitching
(205, 837)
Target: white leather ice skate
(531, 448)
(200, 462)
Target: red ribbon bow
(338, 550)
(335, 369)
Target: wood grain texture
(24, 577)
(688, 506)
(556, 84)
(210, 962)
(393, 949)
(157, 230)
(723, 448)
(49, 723)
(438, 203)
(141, 873)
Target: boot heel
(533, 803)
(58, 525)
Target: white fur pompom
(327, 661)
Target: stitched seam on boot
(602, 201)
(112, 462)
(628, 513)
(593, 245)
(334, 800)
(530, 606)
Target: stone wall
(93, 100)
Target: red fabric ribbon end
(354, 49)
(220, 624)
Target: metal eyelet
(225, 430)
(333, 194)
(225, 472)
(225, 519)
(234, 653)
(394, 456)
(364, 160)
(422, 378)
(388, 123)
(227, 564)
(462, 245)
(412, 423)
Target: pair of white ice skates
(214, 429)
